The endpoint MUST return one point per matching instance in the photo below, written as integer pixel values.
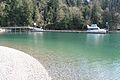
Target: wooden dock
(31, 29)
(18, 29)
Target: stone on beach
(16, 65)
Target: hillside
(60, 14)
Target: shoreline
(74, 31)
(60, 31)
(31, 29)
(67, 31)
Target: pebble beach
(17, 65)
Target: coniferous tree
(60, 14)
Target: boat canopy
(92, 26)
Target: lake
(71, 56)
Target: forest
(60, 14)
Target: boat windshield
(94, 25)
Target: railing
(18, 29)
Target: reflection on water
(95, 39)
(36, 36)
(71, 56)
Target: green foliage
(59, 14)
(17, 13)
(96, 14)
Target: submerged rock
(16, 65)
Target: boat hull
(96, 31)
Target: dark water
(71, 56)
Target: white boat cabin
(95, 29)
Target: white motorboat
(95, 29)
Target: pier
(18, 29)
(29, 28)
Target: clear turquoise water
(71, 56)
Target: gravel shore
(16, 65)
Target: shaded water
(71, 56)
